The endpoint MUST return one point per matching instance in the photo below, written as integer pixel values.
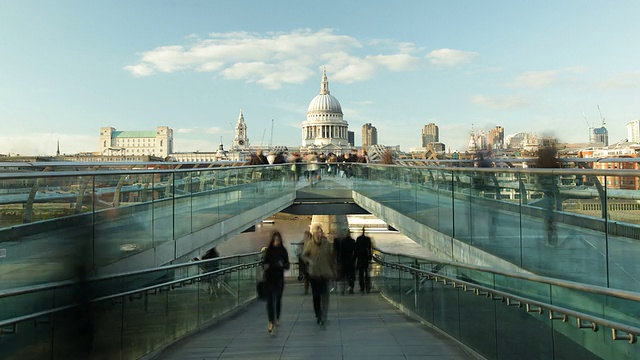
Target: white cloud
(396, 62)
(276, 58)
(139, 70)
(450, 57)
(507, 102)
(46, 143)
(625, 80)
(201, 130)
(544, 78)
(363, 102)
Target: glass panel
(623, 226)
(446, 314)
(478, 323)
(205, 201)
(122, 226)
(31, 341)
(45, 229)
(522, 335)
(162, 208)
(462, 188)
(182, 204)
(529, 289)
(182, 317)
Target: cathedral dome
(325, 125)
(325, 103)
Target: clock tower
(240, 141)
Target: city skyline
(70, 68)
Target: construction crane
(590, 126)
(601, 117)
(271, 137)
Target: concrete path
(358, 327)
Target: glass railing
(504, 315)
(579, 225)
(51, 221)
(124, 316)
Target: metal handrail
(523, 160)
(172, 282)
(490, 292)
(36, 315)
(539, 171)
(54, 174)
(593, 289)
(60, 284)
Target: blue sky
(69, 67)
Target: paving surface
(358, 327)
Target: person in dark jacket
(212, 281)
(276, 260)
(345, 250)
(364, 255)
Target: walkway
(359, 327)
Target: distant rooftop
(133, 134)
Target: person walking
(211, 281)
(548, 159)
(318, 254)
(364, 255)
(276, 260)
(302, 265)
(345, 251)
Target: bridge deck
(358, 327)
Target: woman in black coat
(276, 260)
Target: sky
(69, 67)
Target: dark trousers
(320, 293)
(363, 278)
(348, 274)
(274, 301)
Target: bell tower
(240, 141)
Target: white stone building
(157, 142)
(240, 140)
(325, 129)
(633, 131)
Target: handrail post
(416, 284)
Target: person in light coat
(321, 266)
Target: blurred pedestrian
(302, 265)
(212, 281)
(548, 159)
(271, 158)
(276, 260)
(318, 254)
(364, 255)
(345, 250)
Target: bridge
(488, 256)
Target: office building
(633, 131)
(495, 140)
(369, 135)
(430, 134)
